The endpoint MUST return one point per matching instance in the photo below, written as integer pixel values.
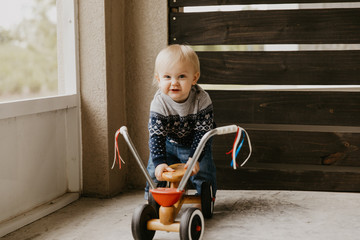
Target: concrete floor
(238, 215)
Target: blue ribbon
(238, 150)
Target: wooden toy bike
(165, 203)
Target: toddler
(181, 113)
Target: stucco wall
(115, 87)
(145, 35)
(93, 97)
(118, 43)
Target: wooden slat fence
(302, 139)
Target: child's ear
(196, 78)
(157, 77)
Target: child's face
(177, 81)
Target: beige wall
(146, 33)
(119, 40)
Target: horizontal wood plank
(281, 68)
(315, 26)
(287, 107)
(291, 161)
(288, 179)
(293, 148)
(182, 3)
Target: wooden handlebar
(175, 176)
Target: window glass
(28, 49)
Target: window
(58, 88)
(28, 49)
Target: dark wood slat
(182, 3)
(287, 107)
(315, 26)
(293, 148)
(288, 179)
(281, 68)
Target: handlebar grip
(123, 129)
(226, 129)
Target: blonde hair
(173, 54)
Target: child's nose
(174, 81)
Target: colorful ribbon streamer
(235, 150)
(117, 157)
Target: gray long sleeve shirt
(184, 123)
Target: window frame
(68, 68)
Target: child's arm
(204, 123)
(157, 141)
(196, 168)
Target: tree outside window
(28, 49)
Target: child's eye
(182, 76)
(167, 77)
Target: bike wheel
(192, 224)
(207, 200)
(141, 216)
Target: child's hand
(196, 168)
(160, 169)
